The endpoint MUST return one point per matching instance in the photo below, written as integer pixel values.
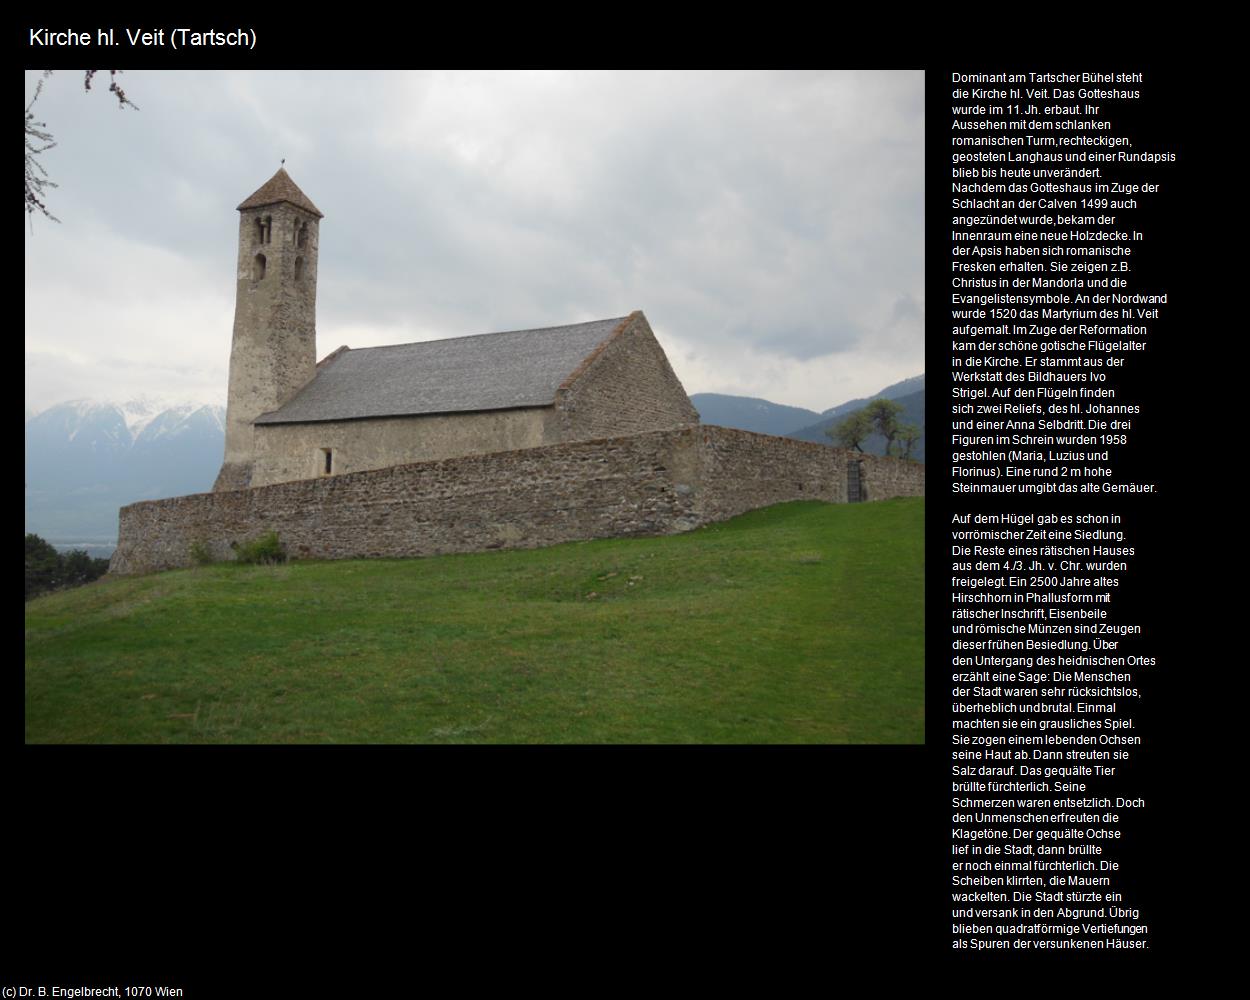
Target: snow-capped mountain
(140, 412)
(86, 458)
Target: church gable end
(626, 386)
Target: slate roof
(493, 371)
(278, 188)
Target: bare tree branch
(39, 140)
(122, 99)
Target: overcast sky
(770, 225)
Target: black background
(1165, 588)
(221, 869)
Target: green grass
(801, 623)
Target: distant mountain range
(750, 414)
(87, 458)
(764, 417)
(907, 387)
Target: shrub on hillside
(201, 554)
(265, 550)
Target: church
(290, 417)
(505, 440)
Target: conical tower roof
(278, 188)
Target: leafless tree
(39, 140)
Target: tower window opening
(258, 267)
(299, 268)
(301, 234)
(267, 228)
(260, 230)
(328, 468)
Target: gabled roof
(278, 188)
(493, 371)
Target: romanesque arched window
(301, 234)
(299, 268)
(258, 267)
(267, 226)
(260, 230)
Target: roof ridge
(333, 356)
(496, 333)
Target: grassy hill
(799, 623)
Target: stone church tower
(274, 352)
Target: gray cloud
(771, 225)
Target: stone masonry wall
(661, 482)
(285, 452)
(743, 471)
(627, 387)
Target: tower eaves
(278, 188)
